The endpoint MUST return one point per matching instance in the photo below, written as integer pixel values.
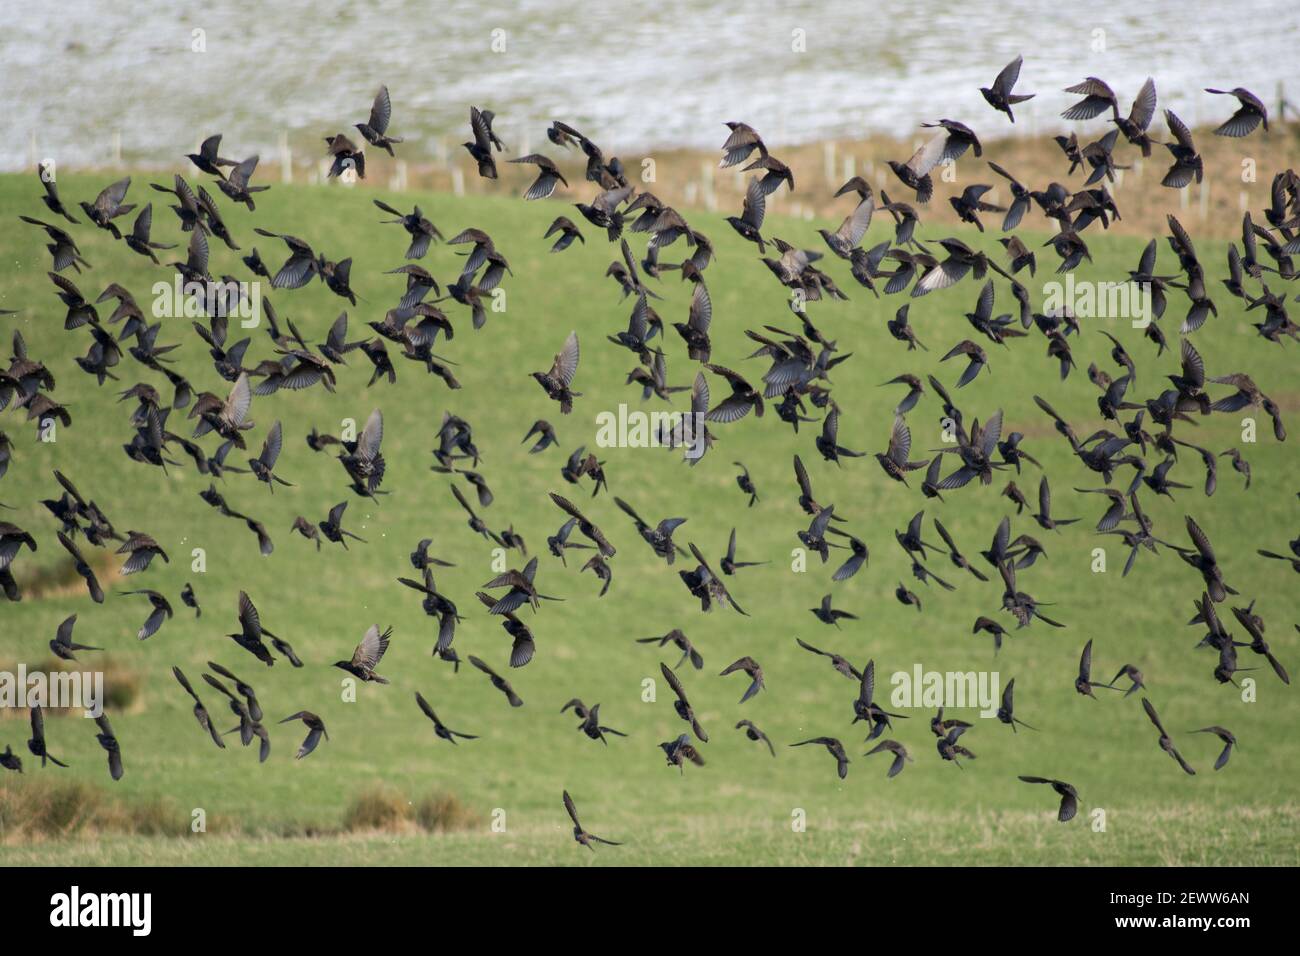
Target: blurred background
(94, 83)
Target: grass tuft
(386, 809)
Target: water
(79, 77)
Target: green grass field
(739, 808)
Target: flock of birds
(1143, 435)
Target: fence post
(286, 159)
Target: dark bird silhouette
(1117, 510)
(138, 239)
(841, 664)
(1229, 742)
(1134, 126)
(834, 748)
(524, 645)
(248, 727)
(249, 636)
(346, 156)
(1187, 161)
(499, 682)
(899, 329)
(1134, 676)
(580, 835)
(10, 760)
(108, 741)
(739, 403)
(568, 233)
(749, 224)
(682, 704)
(1006, 712)
(333, 527)
(977, 360)
(556, 382)
(1250, 113)
(906, 597)
(51, 187)
(591, 725)
(1248, 395)
(367, 655)
(958, 559)
(1166, 742)
(969, 205)
(485, 140)
(729, 564)
(83, 568)
(207, 159)
(363, 459)
(142, 550)
(1044, 515)
(894, 460)
(315, 730)
(162, 610)
(244, 690)
(1097, 99)
(439, 728)
(263, 466)
(200, 712)
(1069, 796)
(950, 749)
(829, 615)
(660, 536)
(547, 438)
(755, 672)
(548, 178)
(901, 756)
(109, 205)
(740, 144)
(422, 232)
(1201, 557)
(1000, 97)
(746, 484)
(992, 627)
(1020, 605)
(1084, 683)
(36, 744)
(753, 733)
(683, 643)
(62, 248)
(940, 726)
(1254, 626)
(603, 211)
(679, 751)
(236, 185)
(375, 130)
(62, 645)
(828, 441)
(586, 527)
(865, 708)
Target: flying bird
(581, 836)
(1069, 796)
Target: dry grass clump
(70, 808)
(386, 809)
(123, 685)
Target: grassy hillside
(738, 808)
